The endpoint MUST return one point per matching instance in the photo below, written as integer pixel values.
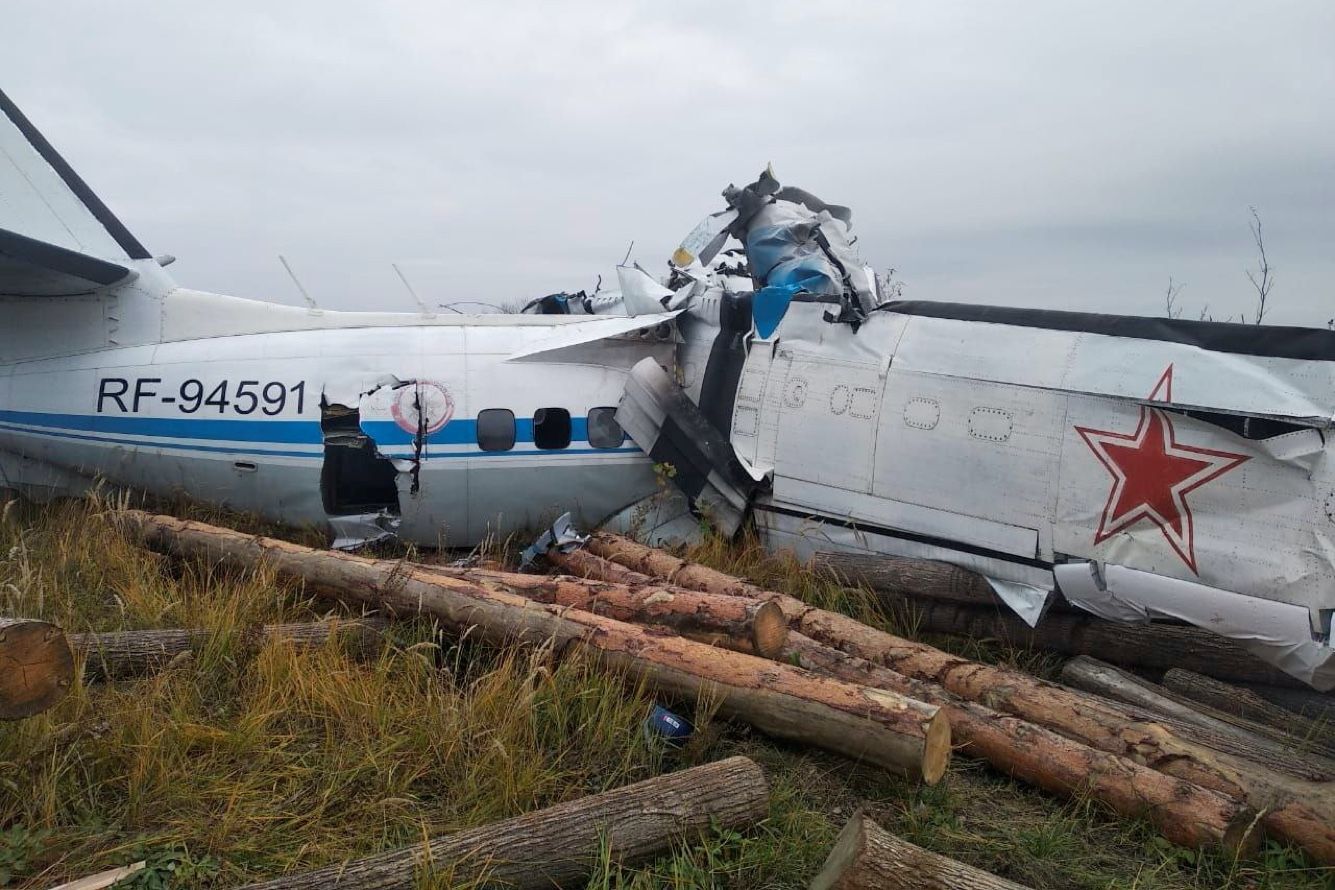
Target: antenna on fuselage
(416, 299)
(307, 297)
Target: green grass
(244, 762)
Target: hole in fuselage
(355, 479)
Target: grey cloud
(1041, 153)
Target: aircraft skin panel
(1225, 511)
(980, 464)
(238, 421)
(828, 414)
(1119, 367)
(1003, 441)
(789, 529)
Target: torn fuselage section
(357, 484)
(374, 450)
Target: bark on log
(1156, 645)
(754, 627)
(1159, 646)
(36, 667)
(561, 844)
(1218, 730)
(1304, 702)
(902, 735)
(1184, 813)
(128, 653)
(1246, 705)
(900, 576)
(1295, 810)
(867, 857)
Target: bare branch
(1263, 278)
(1171, 309)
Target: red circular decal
(428, 405)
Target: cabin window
(604, 431)
(551, 428)
(495, 429)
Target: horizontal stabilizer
(32, 268)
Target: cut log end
(848, 848)
(867, 857)
(36, 667)
(936, 751)
(769, 630)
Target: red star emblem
(1153, 473)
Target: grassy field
(247, 761)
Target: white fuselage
(322, 424)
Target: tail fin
(56, 237)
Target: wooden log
(892, 731)
(1184, 813)
(1225, 732)
(127, 653)
(1303, 702)
(561, 844)
(1157, 645)
(1294, 809)
(1074, 632)
(1248, 705)
(867, 857)
(36, 667)
(756, 627)
(900, 576)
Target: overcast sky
(1055, 154)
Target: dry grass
(245, 762)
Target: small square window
(495, 429)
(551, 428)
(604, 431)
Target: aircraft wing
(597, 328)
(32, 268)
(57, 238)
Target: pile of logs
(1212, 774)
(940, 598)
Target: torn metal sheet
(1281, 634)
(640, 293)
(1025, 600)
(560, 535)
(664, 519)
(355, 532)
(674, 433)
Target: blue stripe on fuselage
(268, 432)
(291, 432)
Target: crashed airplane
(1144, 467)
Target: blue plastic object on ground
(663, 723)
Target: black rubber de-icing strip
(1271, 341)
(114, 227)
(907, 536)
(60, 259)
